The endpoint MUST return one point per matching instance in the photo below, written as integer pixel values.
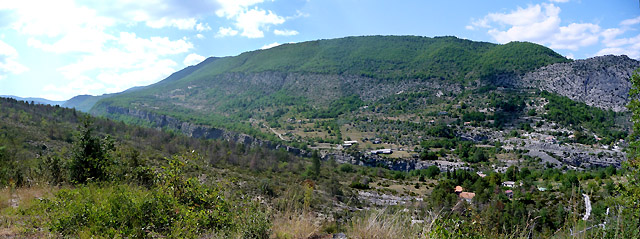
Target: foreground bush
(174, 207)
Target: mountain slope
(410, 94)
(312, 75)
(599, 81)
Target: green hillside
(303, 80)
(390, 57)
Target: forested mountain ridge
(314, 74)
(398, 90)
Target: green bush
(346, 168)
(175, 206)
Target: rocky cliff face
(601, 81)
(201, 131)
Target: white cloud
(272, 45)
(232, 8)
(8, 63)
(632, 21)
(226, 31)
(609, 36)
(203, 27)
(127, 61)
(81, 40)
(79, 86)
(193, 59)
(156, 13)
(285, 32)
(538, 23)
(182, 24)
(633, 53)
(559, 1)
(253, 21)
(250, 22)
(199, 36)
(629, 46)
(575, 35)
(53, 18)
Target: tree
(629, 197)
(315, 160)
(90, 159)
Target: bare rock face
(601, 81)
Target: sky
(63, 48)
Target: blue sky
(59, 49)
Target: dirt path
(276, 132)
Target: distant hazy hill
(35, 100)
(84, 103)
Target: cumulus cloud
(55, 18)
(8, 61)
(156, 13)
(616, 45)
(84, 40)
(285, 32)
(201, 27)
(182, 24)
(253, 21)
(540, 23)
(272, 45)
(249, 22)
(193, 59)
(127, 61)
(232, 8)
(632, 21)
(226, 31)
(106, 58)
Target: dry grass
(25, 195)
(383, 224)
(14, 224)
(294, 225)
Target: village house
(468, 196)
(349, 143)
(509, 194)
(508, 184)
(458, 189)
(382, 151)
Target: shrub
(346, 168)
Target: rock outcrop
(601, 81)
(201, 131)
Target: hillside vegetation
(310, 79)
(67, 174)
